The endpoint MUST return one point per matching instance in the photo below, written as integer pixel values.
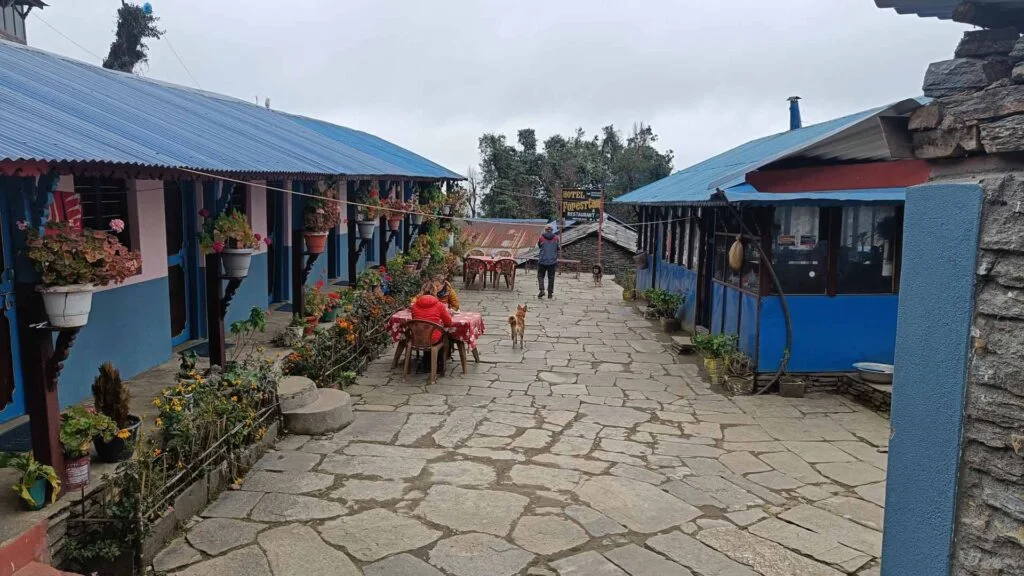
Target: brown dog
(517, 324)
(598, 274)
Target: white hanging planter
(417, 219)
(67, 306)
(446, 209)
(234, 262)
(365, 229)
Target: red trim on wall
(23, 168)
(895, 174)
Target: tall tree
(134, 25)
(473, 184)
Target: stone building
(965, 515)
(579, 242)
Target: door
(12, 393)
(179, 211)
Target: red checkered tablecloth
(466, 326)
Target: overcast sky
(433, 76)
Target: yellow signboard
(581, 204)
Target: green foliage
(79, 426)
(110, 395)
(64, 255)
(322, 211)
(718, 346)
(187, 363)
(31, 471)
(129, 48)
(520, 181)
(663, 303)
(245, 332)
(226, 230)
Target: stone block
(190, 502)
(1006, 135)
(1003, 213)
(946, 143)
(1017, 53)
(997, 41)
(963, 74)
(160, 533)
(926, 117)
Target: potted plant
(72, 263)
(629, 285)
(716, 349)
(230, 235)
(455, 202)
(316, 304)
(664, 305)
(322, 213)
(297, 327)
(111, 398)
(395, 209)
(35, 477)
(330, 313)
(368, 210)
(78, 427)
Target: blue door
(179, 221)
(12, 393)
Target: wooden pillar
(351, 241)
(214, 311)
(41, 397)
(298, 262)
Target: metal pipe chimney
(794, 113)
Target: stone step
(331, 411)
(295, 392)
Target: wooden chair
(419, 338)
(504, 268)
(474, 268)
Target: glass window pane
(684, 238)
(800, 249)
(751, 268)
(867, 250)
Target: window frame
(89, 188)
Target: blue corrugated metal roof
(412, 164)
(747, 194)
(53, 108)
(698, 182)
(942, 9)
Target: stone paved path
(592, 452)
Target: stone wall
(978, 118)
(616, 259)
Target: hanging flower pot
(67, 306)
(446, 209)
(417, 219)
(411, 267)
(234, 262)
(365, 229)
(315, 242)
(394, 223)
(77, 472)
(118, 449)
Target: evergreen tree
(134, 25)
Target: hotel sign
(581, 204)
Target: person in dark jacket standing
(547, 261)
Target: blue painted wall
(129, 326)
(676, 278)
(252, 292)
(734, 311)
(645, 277)
(830, 333)
(940, 234)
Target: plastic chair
(476, 252)
(504, 268)
(419, 337)
(503, 253)
(474, 268)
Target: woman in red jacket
(428, 307)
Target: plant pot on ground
(792, 388)
(35, 479)
(111, 398)
(665, 305)
(72, 263)
(670, 325)
(78, 427)
(716, 350)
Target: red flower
(204, 213)
(258, 236)
(218, 246)
(267, 241)
(319, 284)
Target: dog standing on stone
(517, 324)
(598, 274)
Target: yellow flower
(234, 398)
(124, 434)
(160, 422)
(157, 452)
(157, 402)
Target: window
(695, 239)
(800, 249)
(104, 199)
(869, 238)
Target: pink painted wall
(256, 208)
(149, 236)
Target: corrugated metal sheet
(57, 109)
(412, 164)
(698, 182)
(612, 232)
(747, 194)
(505, 234)
(942, 9)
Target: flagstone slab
(297, 549)
(488, 511)
(765, 556)
(373, 426)
(286, 482)
(595, 523)
(292, 508)
(388, 468)
(817, 546)
(551, 478)
(218, 535)
(248, 561)
(634, 504)
(401, 565)
(614, 416)
(851, 473)
(855, 509)
(232, 504)
(640, 562)
(697, 556)
(546, 535)
(587, 564)
(176, 555)
(386, 451)
(380, 491)
(287, 461)
(479, 555)
(581, 464)
(461, 473)
(377, 533)
(818, 452)
(842, 530)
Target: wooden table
(465, 329)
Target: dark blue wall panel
(717, 307)
(129, 326)
(678, 279)
(830, 333)
(748, 324)
(940, 245)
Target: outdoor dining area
(500, 265)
